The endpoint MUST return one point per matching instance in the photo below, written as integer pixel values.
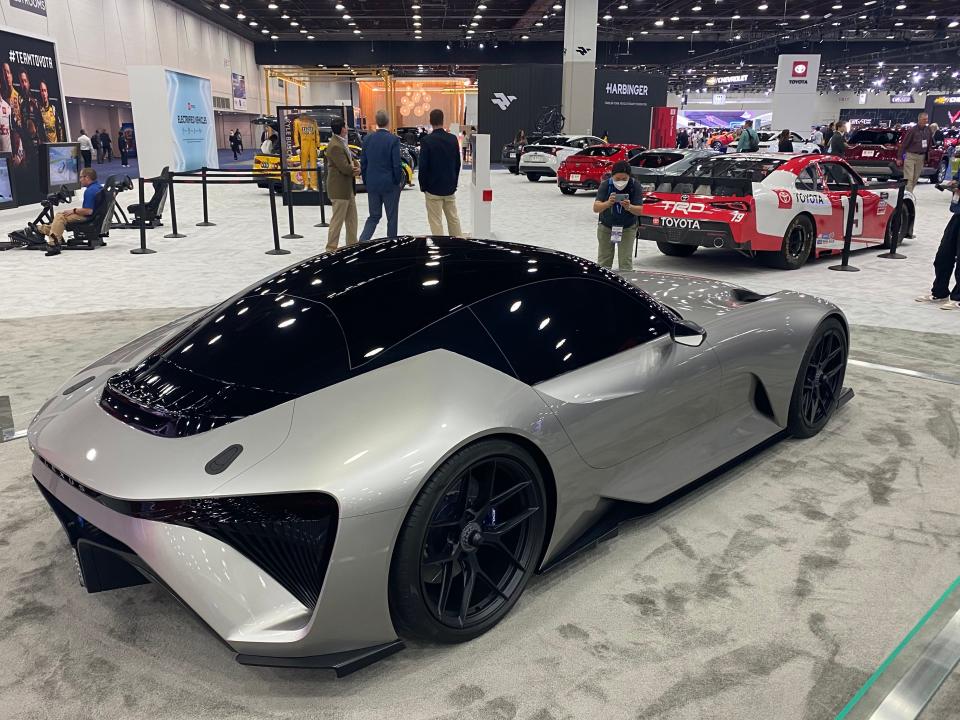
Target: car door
(602, 358)
(840, 179)
(811, 196)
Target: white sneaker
(950, 305)
(930, 299)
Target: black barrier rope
(143, 249)
(173, 213)
(896, 226)
(206, 214)
(845, 265)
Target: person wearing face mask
(619, 202)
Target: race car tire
(795, 249)
(676, 249)
(479, 522)
(941, 172)
(888, 233)
(533, 177)
(816, 391)
(568, 190)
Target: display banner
(190, 103)
(510, 98)
(622, 104)
(239, 84)
(878, 117)
(35, 6)
(944, 110)
(131, 137)
(31, 108)
(795, 93)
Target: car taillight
(731, 205)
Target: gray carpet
(771, 592)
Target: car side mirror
(687, 332)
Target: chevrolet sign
(728, 80)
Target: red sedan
(585, 169)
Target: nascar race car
(781, 209)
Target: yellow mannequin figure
(305, 136)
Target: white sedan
(770, 142)
(543, 158)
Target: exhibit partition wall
(795, 95)
(32, 110)
(512, 97)
(179, 121)
(944, 110)
(623, 105)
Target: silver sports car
(387, 441)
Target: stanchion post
(896, 225)
(206, 215)
(143, 249)
(323, 215)
(173, 210)
(277, 250)
(845, 265)
(288, 194)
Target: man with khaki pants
(914, 147)
(439, 172)
(341, 171)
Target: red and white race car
(781, 209)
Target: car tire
(796, 248)
(453, 520)
(676, 249)
(568, 190)
(533, 177)
(717, 146)
(888, 233)
(816, 391)
(941, 172)
(514, 170)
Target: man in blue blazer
(383, 177)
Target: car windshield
(599, 151)
(734, 166)
(765, 135)
(875, 137)
(655, 160)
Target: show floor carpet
(771, 592)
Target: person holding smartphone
(619, 202)
(947, 260)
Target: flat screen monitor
(63, 166)
(7, 200)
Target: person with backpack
(749, 140)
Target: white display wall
(98, 39)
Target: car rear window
(655, 160)
(599, 151)
(735, 167)
(875, 137)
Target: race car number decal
(737, 217)
(784, 199)
(857, 215)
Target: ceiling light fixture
(265, 31)
(273, 37)
(241, 16)
(224, 6)
(659, 23)
(805, 16)
(762, 6)
(524, 37)
(538, 24)
(272, 6)
(608, 16)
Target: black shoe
(52, 250)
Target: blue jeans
(378, 203)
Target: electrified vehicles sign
(35, 6)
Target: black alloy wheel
(816, 392)
(942, 172)
(676, 249)
(796, 248)
(566, 190)
(470, 544)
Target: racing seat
(151, 212)
(89, 234)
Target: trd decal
(811, 199)
(784, 199)
(684, 208)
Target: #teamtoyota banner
(32, 111)
(239, 86)
(190, 102)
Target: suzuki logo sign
(503, 101)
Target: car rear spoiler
(698, 185)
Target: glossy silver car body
(372, 441)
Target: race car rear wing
(697, 185)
